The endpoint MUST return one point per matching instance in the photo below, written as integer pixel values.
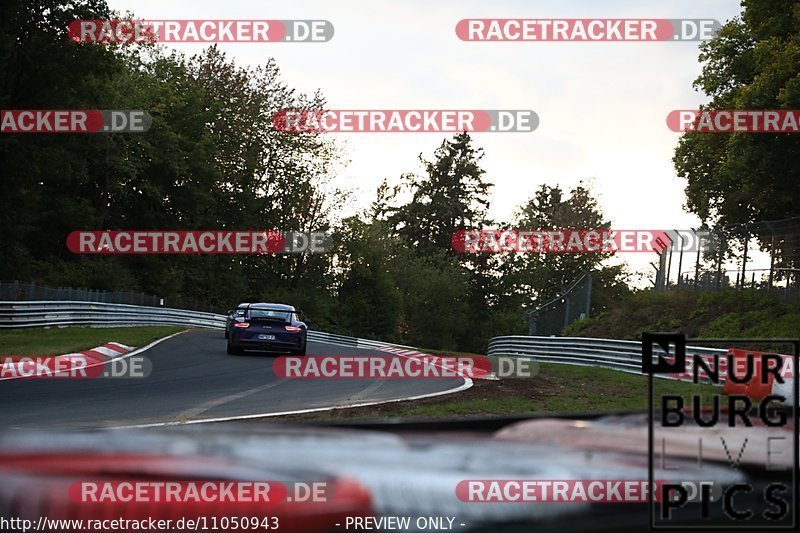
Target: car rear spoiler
(285, 311)
(272, 309)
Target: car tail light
(241, 324)
(293, 328)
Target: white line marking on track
(466, 385)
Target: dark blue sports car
(266, 326)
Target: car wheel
(226, 333)
(234, 350)
(301, 351)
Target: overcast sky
(602, 105)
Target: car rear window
(277, 315)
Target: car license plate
(266, 337)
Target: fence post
(589, 297)
(531, 324)
(660, 269)
(744, 258)
(771, 263)
(669, 268)
(696, 267)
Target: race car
(267, 326)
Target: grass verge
(56, 341)
(728, 313)
(556, 389)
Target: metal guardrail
(344, 340)
(31, 291)
(76, 313)
(625, 356)
(37, 314)
(22, 291)
(332, 338)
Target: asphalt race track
(193, 378)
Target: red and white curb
(760, 386)
(28, 366)
(477, 373)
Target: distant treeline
(212, 160)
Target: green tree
(369, 301)
(41, 173)
(753, 63)
(538, 277)
(433, 292)
(424, 212)
(211, 160)
(450, 196)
